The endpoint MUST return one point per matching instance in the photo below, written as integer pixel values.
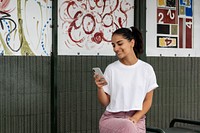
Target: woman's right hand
(99, 81)
(104, 98)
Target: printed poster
(25, 27)
(86, 26)
(173, 27)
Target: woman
(127, 90)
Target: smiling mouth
(118, 54)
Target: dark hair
(132, 33)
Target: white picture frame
(90, 33)
(152, 48)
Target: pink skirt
(119, 123)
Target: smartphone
(98, 71)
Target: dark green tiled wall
(178, 94)
(25, 93)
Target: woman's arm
(103, 98)
(146, 106)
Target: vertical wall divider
(54, 55)
(140, 21)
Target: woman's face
(122, 47)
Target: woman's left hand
(100, 81)
(132, 119)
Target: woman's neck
(129, 61)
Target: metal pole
(140, 21)
(54, 55)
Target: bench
(191, 126)
(154, 130)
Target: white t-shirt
(128, 85)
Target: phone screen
(98, 71)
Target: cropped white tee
(128, 85)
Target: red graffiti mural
(91, 21)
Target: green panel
(178, 92)
(24, 95)
(78, 107)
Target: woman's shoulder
(145, 65)
(112, 65)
